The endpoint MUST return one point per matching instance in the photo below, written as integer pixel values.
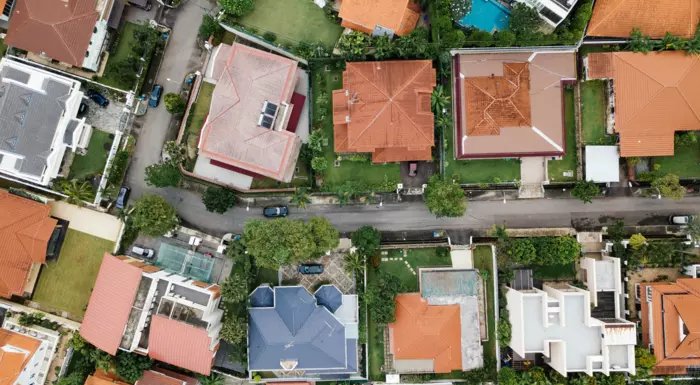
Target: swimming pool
(488, 15)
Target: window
(553, 17)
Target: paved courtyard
(333, 273)
(105, 118)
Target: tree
(234, 330)
(279, 242)
(669, 186)
(644, 362)
(212, 379)
(238, 7)
(639, 42)
(354, 263)
(177, 152)
(445, 199)
(102, 360)
(153, 216)
(380, 297)
(670, 43)
(693, 228)
(505, 331)
(438, 99)
(75, 378)
(209, 27)
(326, 237)
(301, 197)
(354, 46)
(524, 20)
(316, 140)
(77, 192)
(585, 191)
(174, 103)
(637, 241)
(219, 199)
(234, 289)
(130, 366)
(521, 250)
(384, 47)
(163, 175)
(367, 240)
(508, 376)
(123, 71)
(319, 164)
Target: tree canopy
(543, 250)
(367, 240)
(163, 175)
(174, 103)
(380, 297)
(153, 216)
(238, 7)
(669, 186)
(445, 198)
(585, 191)
(218, 199)
(130, 366)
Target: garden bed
(593, 107)
(94, 161)
(569, 162)
(483, 260)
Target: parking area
(423, 172)
(333, 273)
(105, 118)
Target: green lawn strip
(685, 162)
(569, 161)
(67, 283)
(555, 272)
(376, 350)
(292, 21)
(266, 276)
(417, 258)
(200, 109)
(94, 161)
(593, 111)
(484, 170)
(122, 52)
(483, 260)
(228, 38)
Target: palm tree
(354, 263)
(77, 191)
(300, 198)
(213, 379)
(439, 100)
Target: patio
(333, 273)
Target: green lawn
(67, 283)
(593, 111)
(685, 162)
(483, 260)
(3, 47)
(122, 52)
(293, 21)
(200, 109)
(417, 258)
(94, 161)
(266, 276)
(479, 170)
(376, 350)
(362, 173)
(557, 272)
(568, 163)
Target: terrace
(184, 262)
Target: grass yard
(94, 161)
(200, 109)
(593, 111)
(293, 21)
(266, 276)
(685, 162)
(66, 284)
(122, 52)
(479, 170)
(375, 343)
(555, 272)
(3, 47)
(483, 260)
(570, 160)
(374, 175)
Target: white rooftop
(602, 164)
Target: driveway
(423, 173)
(104, 118)
(88, 221)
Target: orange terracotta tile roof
(25, 230)
(364, 15)
(423, 332)
(187, 379)
(110, 303)
(384, 108)
(102, 378)
(655, 95)
(191, 349)
(616, 18)
(61, 29)
(152, 377)
(672, 305)
(12, 360)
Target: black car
(97, 98)
(123, 197)
(311, 268)
(275, 211)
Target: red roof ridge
(619, 4)
(652, 97)
(62, 38)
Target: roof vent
(12, 142)
(347, 118)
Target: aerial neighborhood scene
(337, 192)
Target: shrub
(319, 164)
(269, 36)
(116, 172)
(174, 103)
(209, 27)
(218, 199)
(238, 7)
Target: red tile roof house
(250, 130)
(25, 231)
(144, 309)
(72, 32)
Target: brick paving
(332, 273)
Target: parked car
(412, 169)
(275, 211)
(679, 219)
(310, 268)
(123, 197)
(83, 109)
(145, 5)
(155, 96)
(97, 98)
(143, 252)
(226, 241)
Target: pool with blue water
(488, 15)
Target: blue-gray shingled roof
(330, 297)
(297, 329)
(262, 296)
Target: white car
(679, 219)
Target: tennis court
(185, 262)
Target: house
(7, 7)
(574, 329)
(617, 18)
(654, 96)
(297, 335)
(103, 378)
(26, 233)
(552, 12)
(38, 122)
(384, 108)
(380, 17)
(22, 358)
(509, 103)
(138, 308)
(73, 32)
(253, 117)
(160, 376)
(670, 324)
(438, 330)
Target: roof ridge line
(368, 125)
(412, 79)
(619, 4)
(415, 126)
(695, 60)
(663, 87)
(64, 42)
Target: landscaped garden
(593, 120)
(95, 160)
(685, 161)
(292, 22)
(483, 260)
(66, 284)
(134, 41)
(570, 160)
(195, 121)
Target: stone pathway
(400, 259)
(333, 272)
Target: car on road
(142, 251)
(145, 5)
(310, 268)
(123, 197)
(155, 96)
(679, 219)
(97, 98)
(275, 211)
